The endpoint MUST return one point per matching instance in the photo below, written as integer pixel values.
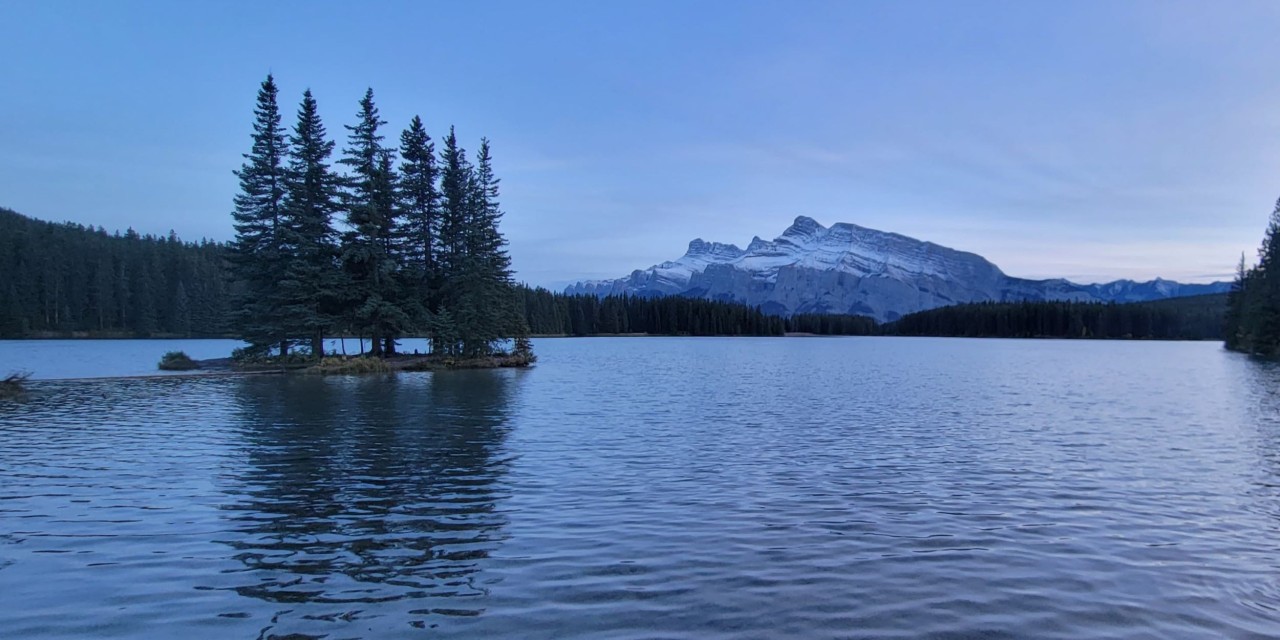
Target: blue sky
(1091, 140)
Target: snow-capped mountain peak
(846, 268)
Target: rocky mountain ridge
(846, 268)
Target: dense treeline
(1193, 318)
(61, 279)
(832, 325)
(550, 313)
(64, 279)
(1253, 304)
(418, 253)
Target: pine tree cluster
(1253, 304)
(404, 242)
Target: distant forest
(68, 279)
(586, 315)
(1190, 318)
(62, 279)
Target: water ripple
(661, 488)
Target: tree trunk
(375, 346)
(390, 347)
(317, 345)
(284, 348)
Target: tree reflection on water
(371, 490)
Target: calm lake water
(664, 488)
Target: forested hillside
(66, 278)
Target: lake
(650, 488)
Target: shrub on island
(340, 366)
(177, 361)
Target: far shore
(80, 335)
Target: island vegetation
(418, 252)
(177, 361)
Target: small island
(419, 252)
(337, 364)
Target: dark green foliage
(473, 303)
(1192, 318)
(1252, 322)
(369, 247)
(480, 291)
(420, 253)
(259, 250)
(550, 313)
(419, 203)
(66, 279)
(832, 325)
(310, 287)
(177, 361)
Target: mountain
(851, 269)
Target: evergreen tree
(258, 250)
(451, 255)
(311, 287)
(1252, 321)
(1232, 333)
(419, 203)
(490, 259)
(1263, 315)
(368, 251)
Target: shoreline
(359, 365)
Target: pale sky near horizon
(1089, 140)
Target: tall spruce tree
(1262, 301)
(419, 202)
(1232, 333)
(452, 321)
(503, 318)
(310, 283)
(368, 251)
(259, 217)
